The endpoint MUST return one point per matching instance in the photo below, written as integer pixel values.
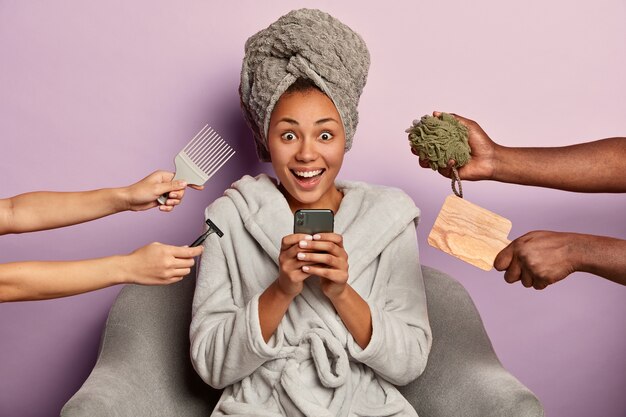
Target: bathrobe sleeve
(401, 335)
(226, 340)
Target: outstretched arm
(154, 264)
(592, 167)
(541, 258)
(596, 166)
(48, 210)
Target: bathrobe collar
(367, 222)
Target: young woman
(287, 323)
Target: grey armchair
(144, 369)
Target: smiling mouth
(307, 176)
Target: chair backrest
(144, 367)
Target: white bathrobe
(311, 366)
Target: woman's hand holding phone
(304, 255)
(322, 253)
(327, 259)
(290, 273)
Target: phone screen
(312, 221)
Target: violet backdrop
(99, 94)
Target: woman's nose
(307, 151)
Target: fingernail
(317, 237)
(305, 268)
(308, 237)
(173, 195)
(181, 183)
(303, 243)
(301, 256)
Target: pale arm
(154, 264)
(48, 210)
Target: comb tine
(196, 139)
(210, 174)
(208, 150)
(224, 154)
(219, 154)
(215, 149)
(201, 144)
(197, 146)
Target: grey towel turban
(302, 44)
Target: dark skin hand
(541, 258)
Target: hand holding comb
(202, 157)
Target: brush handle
(164, 197)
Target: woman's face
(306, 141)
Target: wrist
(588, 252)
(118, 271)
(284, 294)
(124, 271)
(339, 296)
(121, 198)
(500, 162)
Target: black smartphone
(312, 221)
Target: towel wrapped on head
(307, 44)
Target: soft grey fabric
(463, 377)
(144, 370)
(311, 366)
(143, 367)
(306, 44)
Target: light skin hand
(154, 264)
(143, 194)
(483, 164)
(159, 264)
(44, 210)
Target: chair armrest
(143, 367)
(473, 390)
(463, 376)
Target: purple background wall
(99, 94)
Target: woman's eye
(326, 136)
(289, 136)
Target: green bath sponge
(440, 139)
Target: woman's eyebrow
(325, 120)
(289, 120)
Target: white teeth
(308, 174)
